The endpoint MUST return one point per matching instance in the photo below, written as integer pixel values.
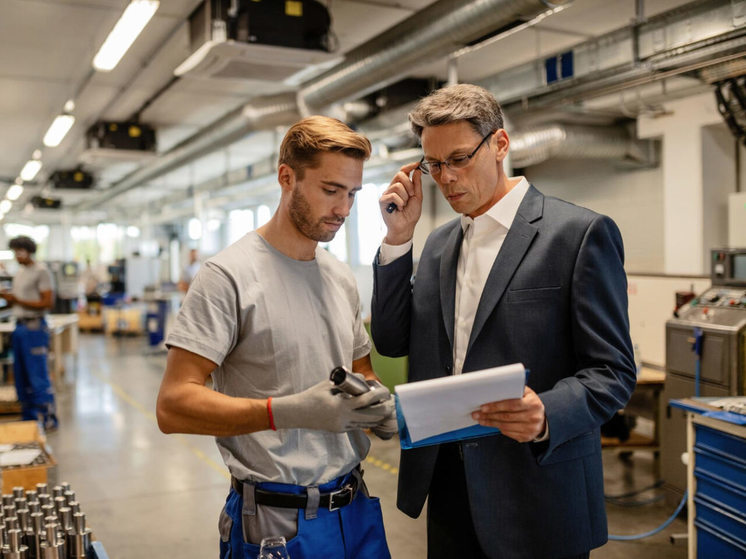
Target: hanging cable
(656, 530)
(655, 485)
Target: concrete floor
(151, 495)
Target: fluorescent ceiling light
(30, 169)
(58, 129)
(14, 192)
(134, 19)
(5, 206)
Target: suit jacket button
(449, 369)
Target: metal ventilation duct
(432, 33)
(692, 37)
(569, 141)
(437, 30)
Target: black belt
(332, 501)
(26, 319)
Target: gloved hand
(317, 408)
(388, 427)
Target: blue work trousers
(30, 342)
(354, 531)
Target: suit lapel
(448, 268)
(515, 246)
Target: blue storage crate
(720, 467)
(713, 515)
(725, 444)
(729, 496)
(98, 551)
(711, 542)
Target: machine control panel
(728, 267)
(721, 297)
(718, 305)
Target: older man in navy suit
(518, 277)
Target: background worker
(517, 277)
(31, 296)
(270, 317)
(190, 270)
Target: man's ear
(286, 177)
(502, 141)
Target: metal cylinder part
(79, 540)
(53, 546)
(15, 548)
(42, 489)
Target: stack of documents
(439, 410)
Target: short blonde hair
(314, 135)
(462, 101)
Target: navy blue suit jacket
(556, 301)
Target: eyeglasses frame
(440, 164)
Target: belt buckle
(346, 490)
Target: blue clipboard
(473, 432)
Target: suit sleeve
(391, 306)
(606, 373)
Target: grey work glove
(317, 408)
(388, 427)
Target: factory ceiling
(218, 118)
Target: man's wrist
(544, 435)
(398, 240)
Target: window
(370, 227)
(240, 222)
(262, 215)
(338, 245)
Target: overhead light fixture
(58, 129)
(5, 206)
(14, 192)
(134, 19)
(30, 169)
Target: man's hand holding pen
(401, 204)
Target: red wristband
(269, 413)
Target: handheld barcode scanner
(345, 381)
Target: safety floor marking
(182, 439)
(381, 464)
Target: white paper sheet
(436, 406)
(20, 457)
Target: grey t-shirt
(28, 283)
(276, 326)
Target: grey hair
(462, 101)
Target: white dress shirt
(483, 238)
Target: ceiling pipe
(429, 34)
(571, 141)
(527, 147)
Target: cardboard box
(18, 432)
(125, 320)
(88, 321)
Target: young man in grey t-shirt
(269, 318)
(31, 296)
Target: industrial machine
(705, 356)
(66, 277)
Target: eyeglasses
(455, 162)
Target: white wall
(651, 303)
(633, 198)
(719, 180)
